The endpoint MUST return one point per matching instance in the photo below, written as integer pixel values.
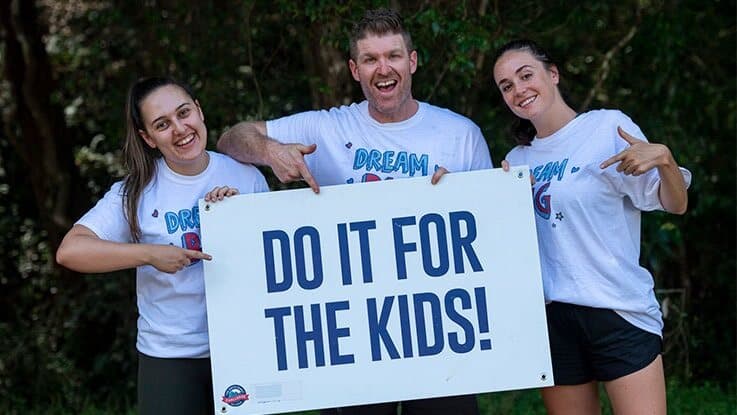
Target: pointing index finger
(197, 254)
(611, 160)
(307, 177)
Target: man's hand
(247, 142)
(288, 163)
(439, 173)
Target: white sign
(378, 292)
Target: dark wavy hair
(379, 22)
(522, 129)
(139, 158)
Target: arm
(672, 191)
(640, 157)
(247, 142)
(82, 250)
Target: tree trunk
(34, 125)
(330, 81)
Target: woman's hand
(640, 157)
(83, 251)
(505, 167)
(220, 193)
(172, 259)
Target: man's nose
(384, 67)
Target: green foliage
(706, 399)
(514, 402)
(670, 65)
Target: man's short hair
(378, 22)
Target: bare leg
(572, 399)
(642, 392)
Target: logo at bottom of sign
(235, 395)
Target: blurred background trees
(66, 65)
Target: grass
(705, 399)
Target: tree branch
(439, 79)
(603, 73)
(254, 76)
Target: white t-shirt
(588, 219)
(353, 147)
(172, 320)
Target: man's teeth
(527, 101)
(385, 84)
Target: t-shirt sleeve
(515, 157)
(480, 156)
(303, 128)
(259, 182)
(107, 219)
(642, 190)
(247, 178)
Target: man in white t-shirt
(389, 135)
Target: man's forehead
(373, 42)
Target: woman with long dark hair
(593, 173)
(150, 221)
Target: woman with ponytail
(150, 221)
(593, 174)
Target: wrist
(666, 157)
(145, 254)
(270, 151)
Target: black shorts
(174, 386)
(456, 405)
(596, 344)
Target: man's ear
(353, 66)
(412, 61)
(151, 143)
